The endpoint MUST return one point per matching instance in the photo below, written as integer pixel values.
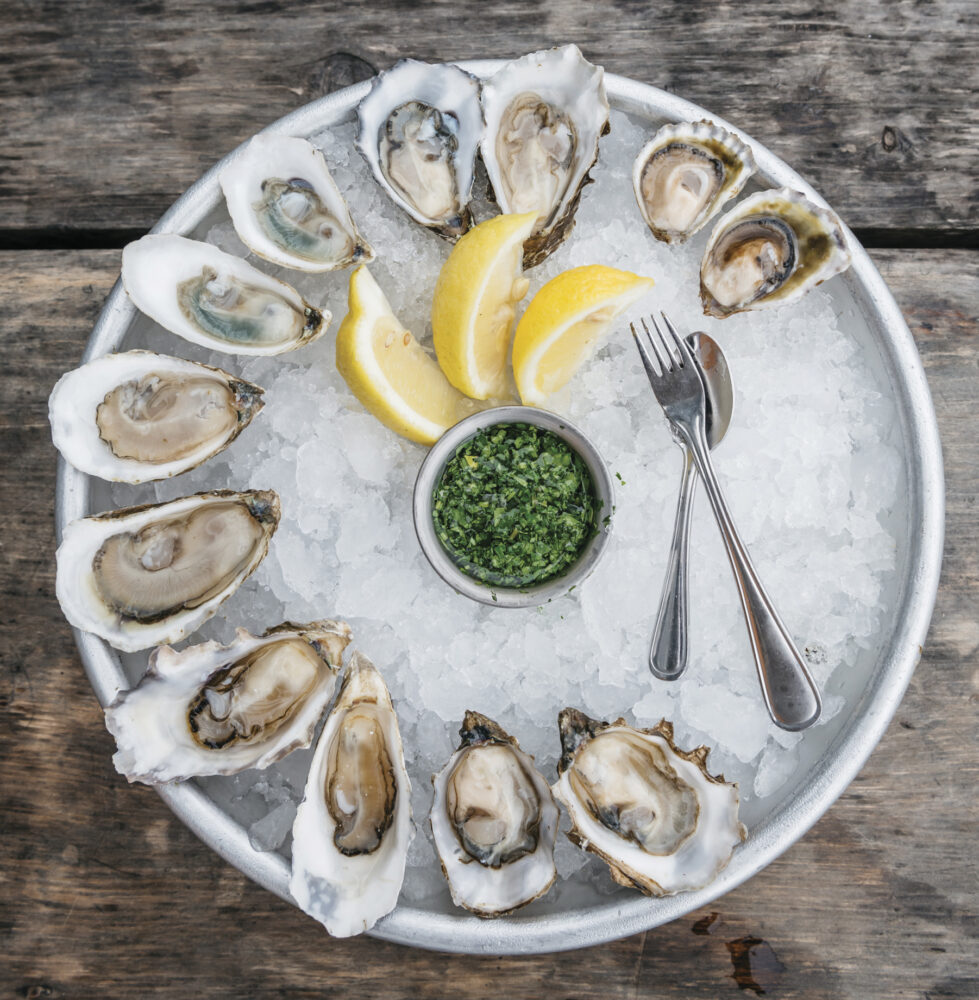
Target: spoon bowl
(717, 380)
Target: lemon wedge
(389, 371)
(474, 304)
(565, 323)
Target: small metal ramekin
(431, 471)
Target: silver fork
(789, 692)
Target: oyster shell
(544, 116)
(684, 175)
(651, 811)
(213, 709)
(286, 207)
(419, 130)
(494, 822)
(139, 416)
(216, 300)
(142, 576)
(352, 830)
(770, 248)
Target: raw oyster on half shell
(545, 113)
(286, 207)
(213, 709)
(494, 821)
(770, 248)
(139, 416)
(147, 575)
(651, 811)
(215, 299)
(683, 176)
(352, 830)
(420, 127)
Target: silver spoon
(668, 650)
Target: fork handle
(668, 650)
(790, 694)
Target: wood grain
(111, 110)
(104, 893)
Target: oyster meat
(684, 175)
(139, 416)
(142, 576)
(494, 822)
(213, 709)
(286, 207)
(544, 116)
(651, 811)
(216, 300)
(770, 248)
(352, 830)
(420, 127)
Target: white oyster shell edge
(563, 78)
(495, 891)
(74, 401)
(695, 133)
(284, 156)
(79, 597)
(149, 722)
(349, 894)
(443, 86)
(822, 219)
(697, 860)
(153, 266)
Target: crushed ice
(809, 467)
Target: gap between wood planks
(872, 238)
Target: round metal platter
(868, 711)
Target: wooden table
(108, 111)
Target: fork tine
(647, 362)
(686, 355)
(677, 339)
(673, 362)
(664, 362)
(669, 324)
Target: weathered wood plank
(111, 110)
(105, 893)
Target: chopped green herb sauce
(515, 506)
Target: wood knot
(893, 140)
(337, 70)
(892, 150)
(35, 991)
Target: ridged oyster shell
(545, 113)
(353, 827)
(770, 248)
(215, 299)
(651, 811)
(420, 127)
(286, 207)
(213, 709)
(147, 575)
(494, 822)
(139, 416)
(683, 176)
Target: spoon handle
(668, 650)
(789, 692)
